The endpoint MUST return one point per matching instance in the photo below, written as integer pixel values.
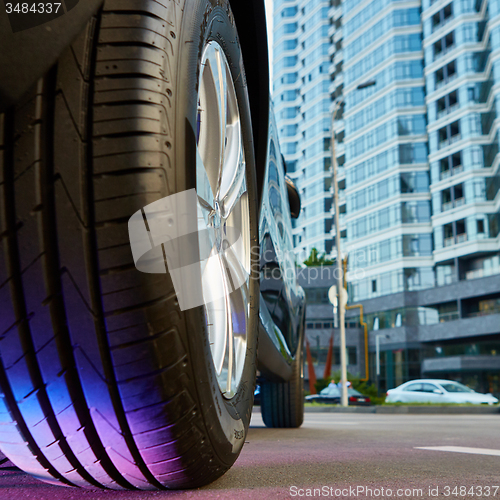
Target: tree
(317, 259)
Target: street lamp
(340, 279)
(377, 354)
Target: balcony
(338, 35)
(445, 81)
(443, 52)
(338, 57)
(480, 314)
(337, 13)
(449, 316)
(450, 241)
(442, 24)
(448, 142)
(446, 174)
(339, 125)
(447, 111)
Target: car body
(282, 304)
(437, 391)
(332, 395)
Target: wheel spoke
(239, 300)
(214, 287)
(223, 210)
(238, 232)
(203, 184)
(232, 177)
(211, 117)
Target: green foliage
(317, 259)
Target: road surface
(337, 456)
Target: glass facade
(416, 91)
(423, 135)
(417, 149)
(302, 102)
(462, 70)
(388, 199)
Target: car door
(412, 393)
(432, 393)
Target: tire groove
(92, 265)
(53, 285)
(19, 305)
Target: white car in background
(437, 391)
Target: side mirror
(437, 391)
(293, 198)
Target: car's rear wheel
(282, 403)
(106, 380)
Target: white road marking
(461, 449)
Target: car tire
(282, 403)
(104, 380)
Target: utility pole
(340, 270)
(340, 281)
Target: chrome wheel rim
(223, 210)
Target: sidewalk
(400, 409)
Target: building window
(440, 18)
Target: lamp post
(340, 279)
(377, 355)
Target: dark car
(145, 222)
(332, 395)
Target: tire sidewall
(225, 419)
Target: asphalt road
(347, 455)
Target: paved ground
(340, 451)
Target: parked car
(111, 112)
(437, 391)
(332, 395)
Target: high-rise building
(417, 87)
(389, 230)
(302, 101)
